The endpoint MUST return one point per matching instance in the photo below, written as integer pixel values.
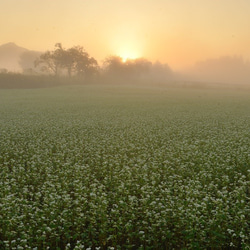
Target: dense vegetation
(107, 167)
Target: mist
(76, 66)
(225, 69)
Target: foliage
(135, 69)
(103, 167)
(74, 60)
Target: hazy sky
(177, 32)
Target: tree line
(75, 61)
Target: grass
(124, 167)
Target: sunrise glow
(129, 49)
(128, 56)
(179, 33)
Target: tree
(139, 70)
(75, 60)
(50, 60)
(133, 68)
(113, 65)
(84, 64)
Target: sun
(128, 53)
(124, 59)
(126, 43)
(128, 56)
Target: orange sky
(178, 32)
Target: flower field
(107, 167)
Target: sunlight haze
(179, 33)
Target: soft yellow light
(128, 55)
(126, 46)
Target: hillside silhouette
(15, 58)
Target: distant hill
(15, 58)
